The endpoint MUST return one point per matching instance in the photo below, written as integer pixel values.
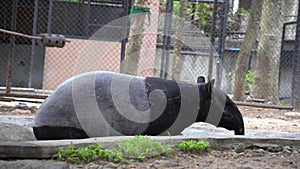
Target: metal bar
(35, 15)
(168, 39)
(12, 47)
(3, 8)
(296, 66)
(22, 95)
(222, 42)
(212, 40)
(163, 56)
(236, 32)
(261, 105)
(87, 17)
(126, 6)
(50, 16)
(184, 47)
(281, 54)
(193, 11)
(190, 53)
(290, 23)
(123, 50)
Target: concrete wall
(82, 56)
(21, 65)
(79, 56)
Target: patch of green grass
(86, 154)
(283, 103)
(142, 147)
(193, 146)
(139, 148)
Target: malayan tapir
(103, 103)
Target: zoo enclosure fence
(38, 68)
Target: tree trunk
(133, 47)
(290, 12)
(268, 55)
(245, 52)
(178, 59)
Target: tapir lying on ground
(99, 104)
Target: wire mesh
(97, 29)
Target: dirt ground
(249, 158)
(254, 118)
(223, 159)
(269, 120)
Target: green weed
(193, 146)
(142, 147)
(139, 148)
(283, 103)
(86, 154)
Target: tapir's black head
(231, 116)
(205, 93)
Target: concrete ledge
(45, 149)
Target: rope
(24, 35)
(21, 34)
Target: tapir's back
(108, 104)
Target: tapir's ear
(212, 82)
(210, 86)
(201, 79)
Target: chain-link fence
(273, 50)
(100, 30)
(28, 65)
(252, 31)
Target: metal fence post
(35, 15)
(222, 37)
(212, 40)
(296, 71)
(168, 48)
(166, 39)
(12, 47)
(127, 6)
(123, 50)
(49, 16)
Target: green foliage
(202, 15)
(244, 11)
(283, 103)
(249, 79)
(176, 7)
(142, 147)
(193, 146)
(86, 154)
(231, 75)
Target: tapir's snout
(232, 118)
